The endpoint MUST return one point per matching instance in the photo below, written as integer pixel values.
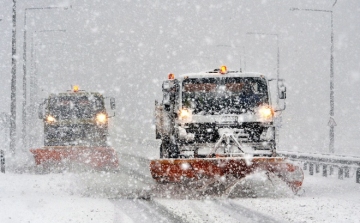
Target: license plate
(228, 119)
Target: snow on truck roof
(79, 93)
(216, 73)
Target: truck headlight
(101, 118)
(266, 113)
(50, 119)
(185, 115)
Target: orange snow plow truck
(217, 127)
(76, 131)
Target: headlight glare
(266, 113)
(185, 115)
(101, 118)
(50, 119)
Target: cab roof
(78, 93)
(216, 73)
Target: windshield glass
(73, 107)
(230, 95)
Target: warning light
(223, 70)
(75, 88)
(171, 76)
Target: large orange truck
(76, 131)
(219, 125)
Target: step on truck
(218, 126)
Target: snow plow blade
(94, 157)
(185, 170)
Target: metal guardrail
(4, 126)
(2, 161)
(328, 162)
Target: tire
(173, 151)
(168, 150)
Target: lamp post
(24, 115)
(13, 82)
(331, 122)
(3, 124)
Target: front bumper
(203, 133)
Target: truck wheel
(168, 150)
(174, 151)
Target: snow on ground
(48, 198)
(122, 197)
(325, 200)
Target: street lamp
(13, 82)
(331, 122)
(24, 121)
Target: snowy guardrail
(346, 166)
(5, 131)
(2, 161)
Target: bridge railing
(5, 132)
(346, 166)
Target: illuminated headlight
(50, 119)
(101, 118)
(185, 115)
(266, 113)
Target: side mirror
(282, 93)
(112, 103)
(169, 89)
(282, 90)
(167, 85)
(41, 110)
(166, 99)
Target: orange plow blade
(184, 170)
(95, 157)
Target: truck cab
(200, 111)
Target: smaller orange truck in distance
(76, 131)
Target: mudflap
(196, 169)
(95, 157)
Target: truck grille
(76, 134)
(208, 132)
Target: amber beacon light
(171, 76)
(223, 70)
(76, 88)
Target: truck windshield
(74, 107)
(229, 95)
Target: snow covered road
(131, 195)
